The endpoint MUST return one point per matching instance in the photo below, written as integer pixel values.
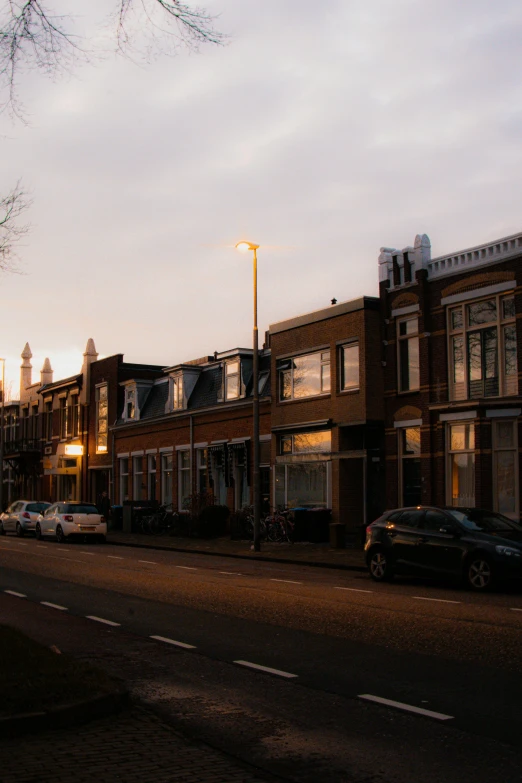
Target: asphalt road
(291, 667)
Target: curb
(66, 715)
(236, 556)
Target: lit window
(102, 419)
(461, 459)
(177, 392)
(349, 355)
(130, 404)
(410, 465)
(304, 376)
(232, 384)
(408, 341)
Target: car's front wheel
(60, 535)
(379, 565)
(38, 531)
(19, 530)
(479, 573)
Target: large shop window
(166, 479)
(124, 480)
(303, 483)
(410, 466)
(102, 419)
(505, 468)
(461, 463)
(183, 479)
(408, 347)
(483, 349)
(349, 364)
(304, 376)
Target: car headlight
(508, 551)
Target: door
(440, 552)
(404, 533)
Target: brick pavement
(133, 746)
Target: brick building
(452, 336)
(189, 431)
(327, 411)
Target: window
(483, 348)
(232, 383)
(241, 487)
(102, 419)
(73, 425)
(349, 364)
(306, 442)
(151, 477)
(413, 518)
(408, 358)
(410, 466)
(137, 478)
(63, 418)
(301, 484)
(177, 392)
(183, 478)
(219, 480)
(435, 520)
(34, 422)
(461, 458)
(48, 420)
(304, 376)
(166, 479)
(130, 404)
(124, 480)
(202, 470)
(505, 468)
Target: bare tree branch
(12, 207)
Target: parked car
(21, 516)
(479, 546)
(68, 520)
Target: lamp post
(244, 247)
(2, 439)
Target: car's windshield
(81, 509)
(37, 507)
(487, 521)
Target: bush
(212, 521)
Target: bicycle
(246, 524)
(280, 526)
(163, 520)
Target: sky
(320, 131)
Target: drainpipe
(191, 422)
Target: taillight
(102, 519)
(68, 518)
(26, 515)
(368, 530)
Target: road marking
(54, 606)
(91, 554)
(266, 669)
(150, 562)
(21, 543)
(114, 557)
(175, 643)
(100, 620)
(353, 589)
(408, 707)
(288, 581)
(229, 573)
(13, 592)
(439, 600)
(187, 568)
(515, 609)
(42, 546)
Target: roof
(363, 303)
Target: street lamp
(2, 439)
(244, 247)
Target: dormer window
(130, 404)
(232, 384)
(177, 393)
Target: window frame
(184, 477)
(166, 470)
(151, 476)
(449, 460)
(325, 361)
(498, 449)
(230, 375)
(401, 433)
(137, 477)
(407, 339)
(102, 396)
(354, 344)
(124, 479)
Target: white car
(21, 517)
(64, 520)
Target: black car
(470, 543)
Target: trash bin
(132, 509)
(299, 516)
(318, 522)
(116, 520)
(337, 535)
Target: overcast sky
(321, 131)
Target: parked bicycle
(280, 526)
(246, 524)
(163, 520)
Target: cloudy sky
(321, 131)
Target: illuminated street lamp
(2, 439)
(244, 247)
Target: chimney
(46, 373)
(90, 355)
(26, 369)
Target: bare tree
(33, 38)
(12, 208)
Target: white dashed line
(173, 642)
(114, 557)
(515, 609)
(91, 554)
(150, 562)
(439, 600)
(21, 543)
(288, 581)
(100, 620)
(54, 606)
(187, 568)
(353, 589)
(407, 707)
(229, 573)
(13, 592)
(42, 546)
(268, 669)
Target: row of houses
(410, 397)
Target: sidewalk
(304, 553)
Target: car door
(47, 524)
(404, 533)
(12, 516)
(441, 547)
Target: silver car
(21, 516)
